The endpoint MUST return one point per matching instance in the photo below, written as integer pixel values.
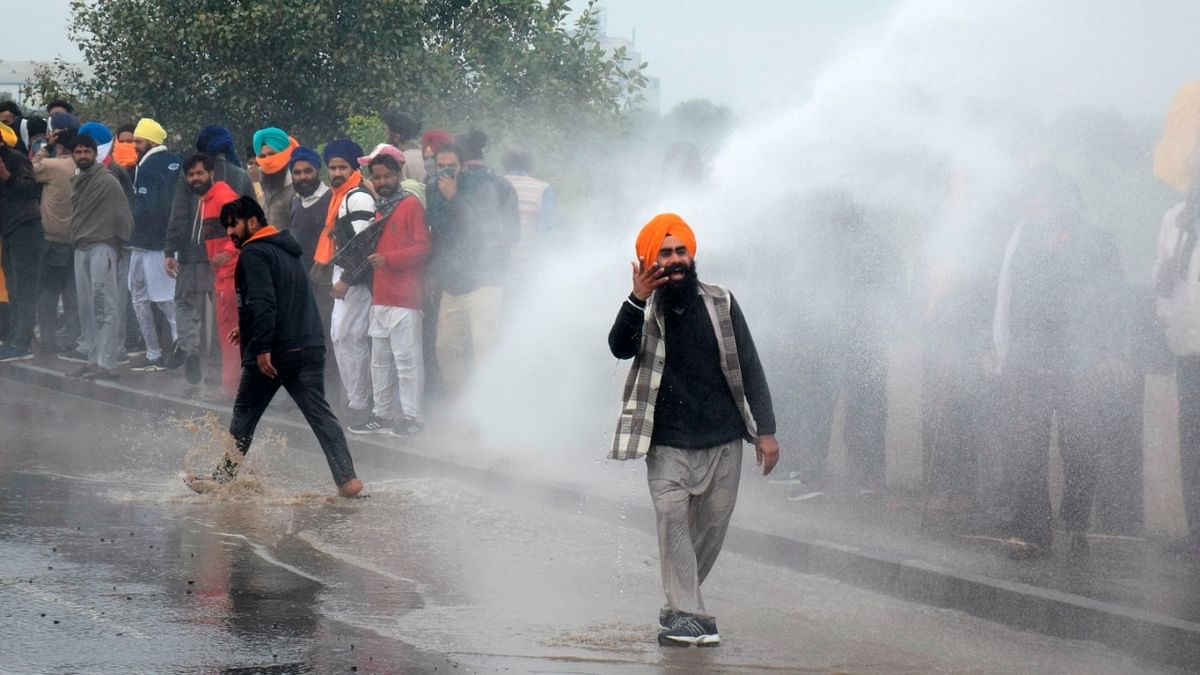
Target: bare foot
(200, 484)
(350, 488)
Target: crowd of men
(114, 254)
(1040, 345)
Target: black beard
(201, 189)
(678, 293)
(305, 188)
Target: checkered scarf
(635, 426)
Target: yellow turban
(150, 130)
(8, 135)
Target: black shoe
(192, 369)
(141, 364)
(666, 616)
(11, 352)
(174, 357)
(687, 630)
(74, 356)
(407, 426)
(375, 425)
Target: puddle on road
(608, 637)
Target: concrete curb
(1146, 634)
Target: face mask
(125, 154)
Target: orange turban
(650, 239)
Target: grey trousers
(98, 290)
(192, 290)
(694, 492)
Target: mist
(928, 119)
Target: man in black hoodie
(23, 243)
(282, 343)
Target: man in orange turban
(695, 393)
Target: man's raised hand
(646, 279)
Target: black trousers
(23, 251)
(954, 397)
(302, 374)
(1187, 376)
(1032, 398)
(859, 372)
(58, 280)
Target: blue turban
(97, 131)
(273, 136)
(303, 153)
(216, 140)
(343, 148)
(64, 120)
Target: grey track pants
(694, 492)
(98, 291)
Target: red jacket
(404, 245)
(217, 196)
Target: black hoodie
(276, 308)
(19, 194)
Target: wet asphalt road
(108, 564)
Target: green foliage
(55, 80)
(366, 130)
(508, 65)
(699, 121)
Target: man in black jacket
(473, 222)
(695, 392)
(282, 343)
(23, 242)
(1061, 332)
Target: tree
(700, 121)
(308, 67)
(55, 80)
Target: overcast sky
(767, 52)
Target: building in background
(12, 77)
(651, 95)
